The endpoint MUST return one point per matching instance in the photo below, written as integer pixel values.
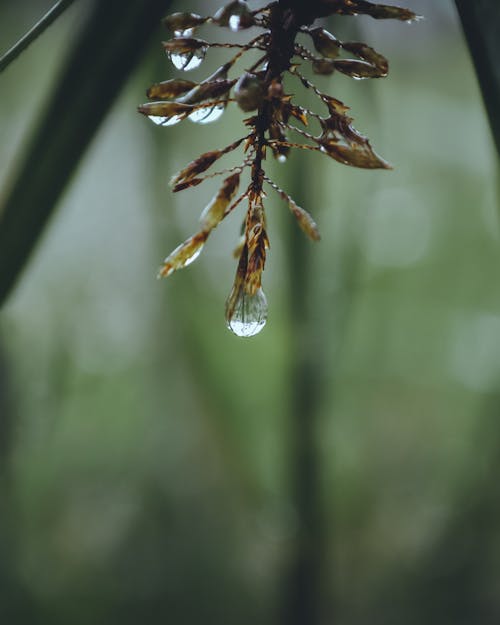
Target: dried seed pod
(236, 15)
(341, 141)
(186, 53)
(165, 113)
(192, 182)
(182, 45)
(335, 107)
(246, 311)
(178, 23)
(358, 69)
(256, 244)
(170, 89)
(356, 154)
(299, 113)
(385, 12)
(208, 91)
(305, 221)
(325, 43)
(355, 7)
(368, 54)
(213, 213)
(183, 255)
(196, 167)
(212, 97)
(202, 163)
(249, 92)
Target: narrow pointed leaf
(101, 60)
(481, 25)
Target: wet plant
(276, 123)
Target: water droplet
(234, 22)
(249, 314)
(281, 158)
(188, 32)
(188, 60)
(165, 121)
(207, 115)
(417, 18)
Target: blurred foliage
(149, 458)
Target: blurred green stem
(32, 34)
(481, 24)
(307, 375)
(15, 604)
(109, 45)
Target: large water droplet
(207, 115)
(188, 60)
(281, 158)
(249, 314)
(165, 121)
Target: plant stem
(302, 600)
(32, 34)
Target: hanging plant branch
(34, 32)
(274, 115)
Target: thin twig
(32, 34)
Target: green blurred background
(339, 468)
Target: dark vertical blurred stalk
(15, 605)
(5, 438)
(104, 54)
(302, 602)
(312, 369)
(481, 25)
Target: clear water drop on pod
(165, 121)
(249, 315)
(207, 115)
(188, 60)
